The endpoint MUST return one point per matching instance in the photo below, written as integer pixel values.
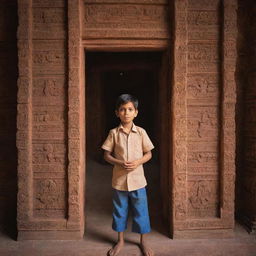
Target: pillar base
(49, 235)
(200, 234)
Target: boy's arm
(110, 159)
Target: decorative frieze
(128, 20)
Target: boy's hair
(125, 98)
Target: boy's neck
(127, 126)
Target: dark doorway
(109, 74)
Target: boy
(127, 147)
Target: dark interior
(109, 74)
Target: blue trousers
(136, 201)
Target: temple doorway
(109, 74)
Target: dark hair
(125, 98)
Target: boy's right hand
(129, 166)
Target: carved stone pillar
(49, 140)
(204, 98)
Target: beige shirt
(128, 147)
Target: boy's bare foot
(146, 250)
(116, 249)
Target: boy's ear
(136, 112)
(116, 113)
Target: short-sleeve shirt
(128, 147)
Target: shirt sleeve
(147, 145)
(109, 142)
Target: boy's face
(127, 112)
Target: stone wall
(201, 37)
(50, 109)
(8, 92)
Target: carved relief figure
(50, 88)
(201, 194)
(205, 124)
(48, 194)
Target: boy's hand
(129, 166)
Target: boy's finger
(129, 167)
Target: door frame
(165, 181)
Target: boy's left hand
(129, 166)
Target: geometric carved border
(228, 110)
(24, 114)
(180, 114)
(75, 119)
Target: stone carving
(180, 197)
(47, 153)
(179, 109)
(202, 157)
(205, 124)
(75, 130)
(201, 86)
(48, 116)
(202, 169)
(46, 15)
(202, 123)
(202, 18)
(49, 194)
(203, 4)
(126, 20)
(49, 23)
(49, 57)
(49, 3)
(50, 88)
(202, 52)
(50, 91)
(201, 193)
(128, 14)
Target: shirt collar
(134, 128)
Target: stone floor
(99, 236)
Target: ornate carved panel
(125, 19)
(49, 118)
(49, 197)
(204, 167)
(49, 23)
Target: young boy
(127, 147)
